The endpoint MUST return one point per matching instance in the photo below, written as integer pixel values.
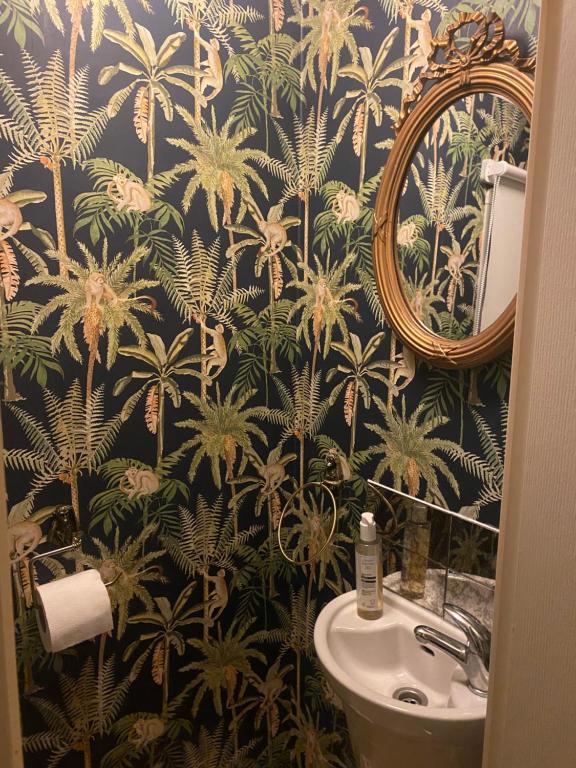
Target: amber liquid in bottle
(415, 552)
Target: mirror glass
(460, 216)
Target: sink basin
(368, 662)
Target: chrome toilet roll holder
(63, 531)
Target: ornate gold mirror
(449, 213)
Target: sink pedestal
(368, 662)
(378, 747)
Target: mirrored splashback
(433, 556)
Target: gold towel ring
(299, 490)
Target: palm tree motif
(488, 467)
(206, 542)
(271, 477)
(101, 298)
(167, 621)
(161, 381)
(20, 21)
(265, 704)
(313, 746)
(266, 487)
(439, 198)
(226, 667)
(456, 271)
(264, 70)
(150, 77)
(220, 166)
(218, 16)
(325, 303)
(269, 251)
(272, 237)
(77, 440)
(410, 453)
(128, 570)
(213, 749)
(53, 126)
(142, 737)
(404, 9)
(303, 412)
(329, 32)
(297, 632)
(306, 539)
(75, 10)
(20, 348)
(223, 426)
(201, 290)
(74, 725)
(504, 125)
(307, 156)
(372, 74)
(265, 335)
(104, 212)
(358, 371)
(126, 497)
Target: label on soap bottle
(366, 581)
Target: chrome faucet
(473, 656)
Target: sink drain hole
(411, 695)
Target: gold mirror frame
(490, 63)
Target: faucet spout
(473, 656)
(428, 636)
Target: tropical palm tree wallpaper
(188, 327)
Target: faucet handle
(478, 636)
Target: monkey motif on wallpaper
(109, 571)
(23, 538)
(345, 207)
(273, 475)
(216, 352)
(272, 686)
(275, 235)
(145, 731)
(136, 482)
(343, 471)
(129, 194)
(323, 298)
(218, 597)
(97, 290)
(331, 23)
(454, 265)
(210, 74)
(10, 218)
(422, 47)
(405, 369)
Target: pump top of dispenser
(367, 527)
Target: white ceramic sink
(367, 661)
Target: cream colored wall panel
(533, 674)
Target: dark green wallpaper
(188, 326)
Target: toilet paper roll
(72, 609)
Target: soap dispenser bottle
(369, 599)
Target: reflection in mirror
(460, 216)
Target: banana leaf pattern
(189, 326)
